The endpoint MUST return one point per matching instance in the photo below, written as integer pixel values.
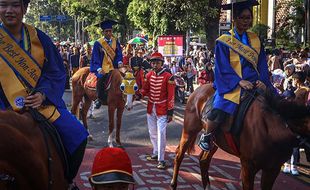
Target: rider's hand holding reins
(34, 100)
(247, 85)
(261, 85)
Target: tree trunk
(212, 24)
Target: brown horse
(24, 157)
(117, 100)
(265, 142)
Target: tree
(289, 29)
(160, 17)
(94, 11)
(57, 30)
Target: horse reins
(36, 115)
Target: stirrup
(205, 142)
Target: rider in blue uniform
(50, 86)
(106, 56)
(232, 77)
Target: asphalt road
(134, 131)
(135, 139)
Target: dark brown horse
(265, 142)
(24, 157)
(117, 100)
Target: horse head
(129, 87)
(296, 115)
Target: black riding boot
(74, 161)
(206, 139)
(100, 91)
(213, 119)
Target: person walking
(160, 88)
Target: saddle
(233, 131)
(91, 81)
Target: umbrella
(137, 40)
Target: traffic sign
(45, 17)
(61, 17)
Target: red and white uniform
(159, 87)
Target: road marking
(222, 172)
(138, 180)
(231, 167)
(230, 186)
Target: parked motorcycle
(179, 87)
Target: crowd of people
(290, 75)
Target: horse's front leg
(119, 115)
(111, 111)
(269, 176)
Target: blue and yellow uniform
(226, 77)
(52, 84)
(107, 53)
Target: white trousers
(157, 129)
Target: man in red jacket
(159, 87)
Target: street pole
(187, 41)
(75, 33)
(307, 22)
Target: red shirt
(159, 87)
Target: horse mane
(287, 109)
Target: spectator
(75, 60)
(190, 76)
(85, 56)
(111, 170)
(206, 75)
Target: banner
(170, 46)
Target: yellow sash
(238, 48)
(12, 56)
(245, 51)
(109, 54)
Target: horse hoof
(110, 144)
(173, 185)
(90, 137)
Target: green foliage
(289, 32)
(155, 17)
(159, 17)
(261, 30)
(48, 7)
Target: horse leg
(185, 142)
(77, 96)
(248, 172)
(111, 110)
(204, 161)
(85, 108)
(119, 115)
(268, 177)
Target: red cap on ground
(111, 165)
(157, 56)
